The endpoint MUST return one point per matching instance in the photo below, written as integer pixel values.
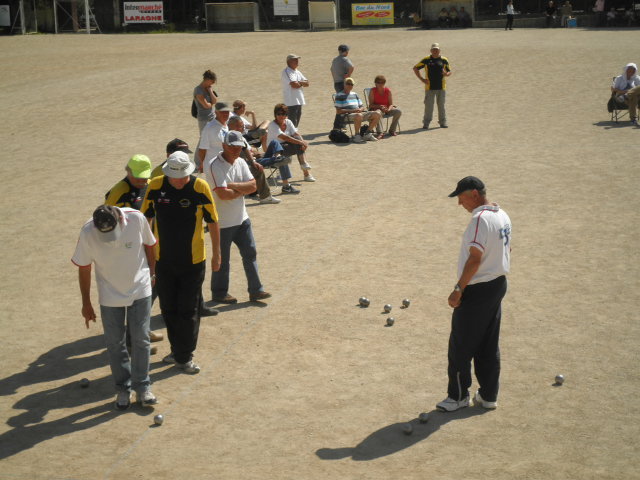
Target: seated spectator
(550, 14)
(630, 17)
(465, 18)
(611, 17)
(566, 10)
(453, 17)
(348, 103)
(252, 130)
(627, 89)
(443, 18)
(283, 130)
(381, 99)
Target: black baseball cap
(177, 145)
(343, 48)
(467, 183)
(105, 219)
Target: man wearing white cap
(213, 134)
(119, 242)
(437, 68)
(179, 202)
(293, 82)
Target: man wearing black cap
(484, 261)
(119, 242)
(341, 68)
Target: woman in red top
(380, 98)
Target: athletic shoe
(256, 297)
(288, 188)
(155, 337)
(281, 162)
(123, 400)
(451, 405)
(146, 399)
(270, 199)
(479, 401)
(169, 359)
(634, 122)
(305, 166)
(444, 126)
(228, 299)
(153, 350)
(208, 311)
(188, 367)
(309, 178)
(358, 139)
(370, 137)
(394, 134)
(425, 126)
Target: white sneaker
(270, 199)
(305, 166)
(189, 367)
(370, 137)
(451, 405)
(358, 139)
(309, 178)
(479, 401)
(123, 400)
(146, 399)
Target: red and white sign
(143, 12)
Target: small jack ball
(387, 308)
(84, 383)
(391, 321)
(559, 379)
(158, 419)
(423, 417)
(406, 302)
(407, 429)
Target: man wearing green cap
(129, 192)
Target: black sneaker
(208, 311)
(289, 189)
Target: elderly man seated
(626, 87)
(349, 104)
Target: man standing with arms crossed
(293, 81)
(484, 261)
(119, 242)
(437, 69)
(341, 68)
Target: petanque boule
(390, 321)
(158, 419)
(406, 302)
(364, 302)
(407, 429)
(559, 379)
(387, 308)
(423, 417)
(84, 383)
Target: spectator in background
(611, 17)
(381, 99)
(453, 16)
(599, 10)
(443, 18)
(205, 98)
(550, 14)
(566, 10)
(510, 14)
(627, 88)
(293, 81)
(252, 130)
(341, 68)
(465, 18)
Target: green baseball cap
(140, 166)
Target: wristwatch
(457, 288)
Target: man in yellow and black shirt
(129, 191)
(179, 202)
(437, 69)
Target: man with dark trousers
(484, 261)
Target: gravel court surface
(313, 386)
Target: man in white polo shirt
(120, 244)
(230, 181)
(484, 261)
(212, 135)
(293, 82)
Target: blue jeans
(242, 236)
(275, 147)
(128, 373)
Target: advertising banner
(285, 7)
(143, 12)
(372, 13)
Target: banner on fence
(372, 13)
(143, 12)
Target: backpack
(338, 136)
(194, 109)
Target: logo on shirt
(505, 233)
(185, 202)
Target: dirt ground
(311, 386)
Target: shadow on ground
(391, 439)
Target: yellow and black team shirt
(178, 218)
(123, 194)
(434, 68)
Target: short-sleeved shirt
(489, 231)
(349, 101)
(124, 194)
(211, 139)
(247, 124)
(121, 268)
(219, 173)
(273, 130)
(292, 96)
(203, 113)
(340, 67)
(178, 215)
(434, 68)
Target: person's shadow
(391, 439)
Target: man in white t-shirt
(119, 242)
(213, 134)
(293, 82)
(484, 261)
(230, 180)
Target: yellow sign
(372, 13)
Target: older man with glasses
(348, 103)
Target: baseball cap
(177, 145)
(467, 183)
(343, 48)
(234, 139)
(223, 107)
(350, 80)
(292, 56)
(435, 45)
(105, 219)
(140, 166)
(178, 165)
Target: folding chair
(386, 116)
(342, 119)
(616, 107)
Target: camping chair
(616, 107)
(342, 119)
(385, 117)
